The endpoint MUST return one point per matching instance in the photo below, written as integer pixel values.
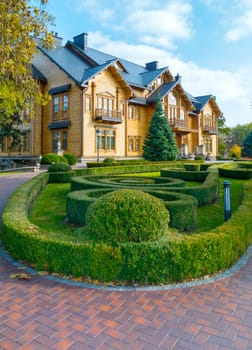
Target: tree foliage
(22, 22)
(247, 146)
(12, 129)
(222, 127)
(159, 143)
(240, 132)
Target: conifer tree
(247, 146)
(159, 143)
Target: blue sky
(205, 41)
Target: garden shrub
(127, 216)
(109, 161)
(59, 172)
(192, 167)
(182, 208)
(70, 157)
(170, 259)
(51, 158)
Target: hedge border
(175, 260)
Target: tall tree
(159, 143)
(22, 22)
(247, 146)
(240, 132)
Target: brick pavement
(40, 314)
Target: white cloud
(150, 22)
(242, 26)
(161, 27)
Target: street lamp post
(98, 133)
(227, 205)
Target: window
(65, 106)
(88, 103)
(182, 114)
(159, 81)
(26, 141)
(64, 140)
(134, 143)
(55, 107)
(60, 107)
(105, 139)
(137, 113)
(130, 112)
(172, 99)
(207, 141)
(60, 140)
(122, 108)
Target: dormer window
(172, 99)
(159, 81)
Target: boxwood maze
(169, 259)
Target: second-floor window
(60, 107)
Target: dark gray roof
(162, 91)
(199, 101)
(59, 89)
(73, 65)
(36, 74)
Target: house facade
(102, 105)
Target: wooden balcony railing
(210, 129)
(108, 116)
(178, 123)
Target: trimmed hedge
(182, 208)
(237, 170)
(60, 173)
(92, 182)
(171, 260)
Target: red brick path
(42, 314)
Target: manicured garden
(168, 253)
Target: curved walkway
(41, 314)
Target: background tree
(240, 132)
(21, 24)
(247, 146)
(222, 127)
(159, 143)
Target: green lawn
(49, 208)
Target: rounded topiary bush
(59, 172)
(109, 161)
(71, 158)
(127, 216)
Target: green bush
(59, 172)
(109, 161)
(71, 158)
(51, 158)
(182, 208)
(127, 216)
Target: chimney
(57, 40)
(178, 78)
(81, 41)
(151, 65)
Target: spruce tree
(247, 146)
(159, 143)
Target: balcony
(181, 126)
(210, 129)
(107, 116)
